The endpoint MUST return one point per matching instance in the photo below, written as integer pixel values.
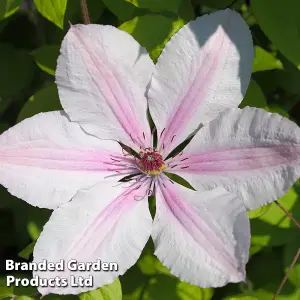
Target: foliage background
(30, 35)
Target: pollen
(151, 162)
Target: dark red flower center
(151, 162)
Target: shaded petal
(102, 74)
(204, 69)
(203, 238)
(104, 222)
(46, 159)
(250, 152)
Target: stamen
(162, 132)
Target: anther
(184, 159)
(185, 167)
(162, 132)
(173, 138)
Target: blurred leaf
(152, 31)
(16, 72)
(3, 127)
(6, 292)
(186, 11)
(241, 298)
(25, 298)
(4, 104)
(73, 12)
(111, 291)
(53, 10)
(46, 57)
(264, 60)
(274, 228)
(215, 3)
(265, 272)
(254, 96)
(122, 9)
(157, 5)
(273, 108)
(9, 7)
(290, 250)
(164, 287)
(289, 78)
(259, 211)
(280, 22)
(25, 253)
(44, 100)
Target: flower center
(151, 162)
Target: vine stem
(85, 12)
(287, 274)
(288, 214)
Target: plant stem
(287, 274)
(85, 12)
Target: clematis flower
(72, 161)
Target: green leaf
(259, 211)
(46, 57)
(152, 31)
(9, 7)
(215, 3)
(241, 298)
(111, 291)
(280, 21)
(73, 12)
(25, 298)
(290, 250)
(274, 228)
(25, 253)
(157, 5)
(164, 287)
(274, 108)
(6, 292)
(16, 72)
(44, 100)
(265, 273)
(264, 60)
(254, 96)
(122, 9)
(53, 10)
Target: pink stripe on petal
(204, 69)
(205, 235)
(61, 159)
(100, 91)
(194, 96)
(104, 223)
(239, 159)
(203, 238)
(250, 152)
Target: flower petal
(250, 152)
(204, 69)
(46, 159)
(108, 223)
(203, 238)
(102, 74)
